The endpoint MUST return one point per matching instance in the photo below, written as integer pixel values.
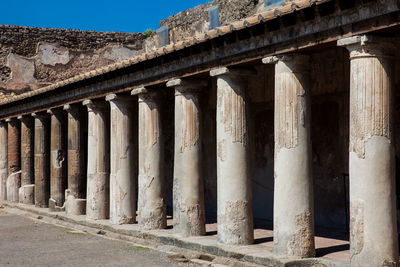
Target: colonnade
(125, 141)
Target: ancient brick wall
(194, 21)
(34, 57)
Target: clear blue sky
(100, 15)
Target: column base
(27, 194)
(13, 183)
(75, 206)
(53, 206)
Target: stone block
(27, 194)
(75, 206)
(13, 183)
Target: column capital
(55, 111)
(240, 72)
(11, 119)
(139, 91)
(118, 98)
(368, 46)
(146, 95)
(184, 86)
(300, 58)
(40, 115)
(71, 108)
(93, 105)
(294, 63)
(24, 117)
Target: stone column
(3, 160)
(373, 227)
(235, 209)
(26, 192)
(42, 158)
(75, 194)
(293, 193)
(188, 190)
(58, 175)
(14, 160)
(123, 172)
(151, 202)
(98, 170)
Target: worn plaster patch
(194, 219)
(237, 222)
(22, 69)
(302, 242)
(118, 53)
(356, 227)
(52, 54)
(58, 158)
(222, 150)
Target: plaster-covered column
(188, 191)
(98, 169)
(293, 192)
(14, 160)
(3, 160)
(235, 209)
(151, 202)
(123, 172)
(75, 194)
(373, 227)
(26, 191)
(58, 175)
(42, 158)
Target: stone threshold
(253, 254)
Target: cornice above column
(369, 46)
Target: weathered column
(14, 160)
(235, 209)
(123, 172)
(373, 227)
(3, 160)
(42, 158)
(75, 194)
(58, 175)
(98, 170)
(26, 191)
(293, 192)
(188, 190)
(151, 202)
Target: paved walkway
(25, 242)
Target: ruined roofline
(280, 11)
(7, 26)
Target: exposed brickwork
(14, 140)
(24, 40)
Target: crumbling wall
(195, 21)
(31, 58)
